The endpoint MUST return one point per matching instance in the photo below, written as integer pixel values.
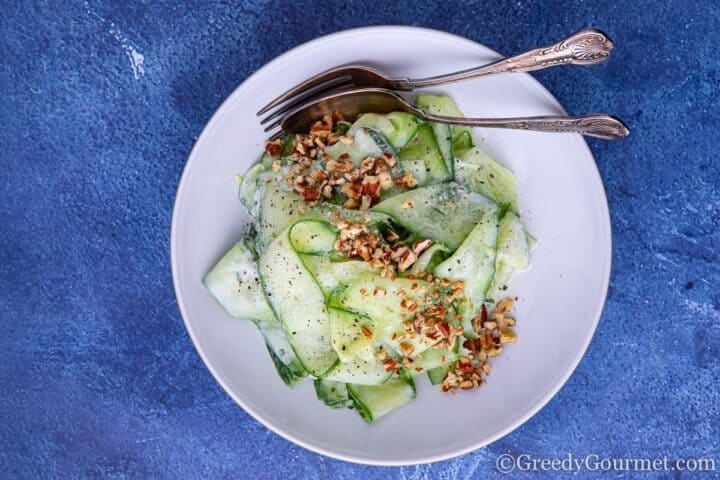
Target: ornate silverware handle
(586, 47)
(602, 126)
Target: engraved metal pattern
(586, 47)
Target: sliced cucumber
(235, 284)
(418, 170)
(474, 263)
(342, 127)
(347, 338)
(377, 297)
(381, 142)
(513, 254)
(330, 274)
(435, 357)
(278, 209)
(287, 145)
(380, 298)
(423, 147)
(397, 127)
(437, 375)
(359, 372)
(372, 402)
(462, 142)
(446, 135)
(332, 394)
(430, 258)
(249, 189)
(363, 146)
(313, 237)
(436, 362)
(299, 303)
(480, 173)
(444, 213)
(349, 271)
(286, 363)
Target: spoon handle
(586, 47)
(602, 126)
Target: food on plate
(378, 251)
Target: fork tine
(276, 135)
(306, 94)
(273, 125)
(310, 82)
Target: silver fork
(586, 47)
(352, 103)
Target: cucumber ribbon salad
(377, 251)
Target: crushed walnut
(493, 331)
(356, 240)
(430, 313)
(314, 177)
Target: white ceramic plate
(562, 203)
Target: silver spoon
(352, 103)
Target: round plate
(561, 297)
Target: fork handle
(586, 47)
(602, 125)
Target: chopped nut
(326, 191)
(351, 191)
(390, 365)
(407, 260)
(480, 319)
(406, 348)
(389, 159)
(365, 202)
(504, 305)
(273, 148)
(385, 179)
(338, 166)
(494, 352)
(322, 128)
(309, 194)
(398, 251)
(367, 165)
(319, 176)
(371, 187)
(406, 181)
(444, 329)
(421, 245)
(507, 335)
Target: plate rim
(192, 160)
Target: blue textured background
(97, 374)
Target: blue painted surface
(97, 375)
